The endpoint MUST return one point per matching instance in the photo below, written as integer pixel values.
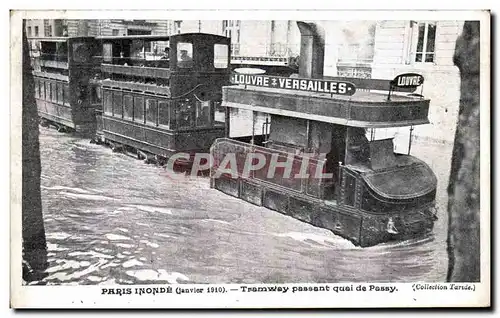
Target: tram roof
(134, 37)
(57, 38)
(363, 109)
(152, 37)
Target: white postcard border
(406, 294)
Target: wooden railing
(139, 87)
(138, 71)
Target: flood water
(112, 219)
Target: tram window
(202, 113)
(42, 89)
(117, 104)
(138, 49)
(151, 111)
(62, 52)
(108, 102)
(185, 114)
(219, 114)
(164, 114)
(184, 55)
(350, 189)
(53, 96)
(161, 50)
(128, 107)
(107, 52)
(357, 148)
(139, 109)
(48, 91)
(60, 98)
(66, 94)
(221, 55)
(95, 94)
(37, 88)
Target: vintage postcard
(250, 159)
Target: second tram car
(162, 94)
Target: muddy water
(112, 219)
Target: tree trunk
(33, 232)
(463, 190)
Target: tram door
(333, 160)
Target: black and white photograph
(246, 160)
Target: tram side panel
(301, 197)
(158, 124)
(131, 118)
(54, 101)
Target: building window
(36, 30)
(423, 38)
(29, 31)
(231, 29)
(177, 26)
(48, 30)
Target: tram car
(63, 69)
(162, 95)
(315, 160)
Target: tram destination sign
(408, 80)
(297, 84)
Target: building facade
(427, 48)
(106, 27)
